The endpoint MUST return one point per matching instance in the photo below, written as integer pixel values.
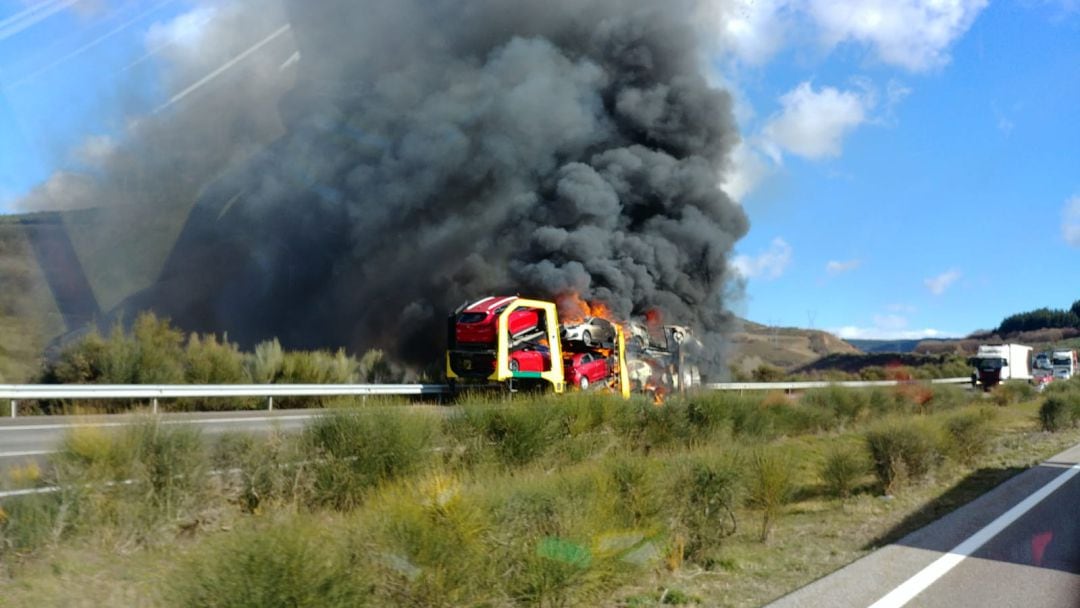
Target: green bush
(709, 415)
(356, 451)
(318, 367)
(796, 419)
(1059, 412)
(637, 502)
(151, 353)
(749, 419)
(883, 401)
(266, 362)
(551, 542)
(287, 564)
(770, 484)
(263, 470)
(374, 368)
(1072, 385)
(516, 434)
(646, 427)
(844, 466)
(1009, 393)
(208, 361)
(704, 495)
(873, 372)
(433, 540)
(30, 522)
(949, 396)
(903, 450)
(767, 373)
(968, 432)
(847, 405)
(146, 479)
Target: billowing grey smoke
(440, 150)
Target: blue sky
(910, 167)
(70, 73)
(937, 209)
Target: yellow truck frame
(555, 376)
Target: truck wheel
(583, 384)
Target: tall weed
(968, 433)
(356, 451)
(771, 484)
(903, 450)
(842, 469)
(704, 496)
(283, 564)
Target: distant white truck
(996, 363)
(1064, 364)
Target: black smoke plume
(435, 151)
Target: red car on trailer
(478, 322)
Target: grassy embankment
(585, 500)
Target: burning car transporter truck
(518, 344)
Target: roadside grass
(579, 501)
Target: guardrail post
(14, 408)
(154, 404)
(270, 403)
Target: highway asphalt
(35, 437)
(1017, 545)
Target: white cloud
(937, 285)
(96, 150)
(890, 326)
(768, 265)
(852, 332)
(812, 123)
(745, 171)
(912, 34)
(186, 30)
(835, 267)
(1070, 221)
(752, 30)
(901, 308)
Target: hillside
(884, 346)
(1042, 339)
(61, 271)
(787, 347)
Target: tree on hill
(1041, 318)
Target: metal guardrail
(796, 386)
(26, 392)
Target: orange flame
(657, 391)
(653, 317)
(573, 309)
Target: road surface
(1017, 545)
(35, 437)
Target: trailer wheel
(583, 384)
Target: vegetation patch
(580, 500)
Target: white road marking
(926, 577)
(45, 490)
(28, 453)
